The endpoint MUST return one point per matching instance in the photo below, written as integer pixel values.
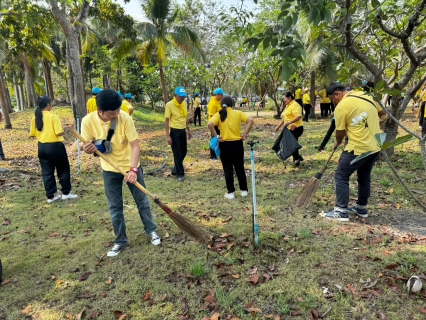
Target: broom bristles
(304, 198)
(190, 228)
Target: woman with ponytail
(46, 127)
(231, 144)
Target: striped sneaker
(336, 215)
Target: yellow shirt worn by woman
(125, 106)
(197, 103)
(94, 128)
(306, 98)
(91, 105)
(177, 113)
(324, 96)
(214, 107)
(230, 129)
(291, 111)
(52, 129)
(298, 94)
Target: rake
(183, 223)
(304, 198)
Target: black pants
(328, 134)
(2, 156)
(297, 133)
(300, 102)
(197, 114)
(54, 156)
(212, 153)
(325, 109)
(332, 107)
(421, 118)
(179, 148)
(307, 108)
(232, 157)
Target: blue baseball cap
(196, 94)
(119, 93)
(180, 91)
(96, 90)
(218, 91)
(128, 96)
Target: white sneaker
(244, 193)
(69, 196)
(230, 196)
(155, 238)
(116, 249)
(56, 197)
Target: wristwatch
(135, 170)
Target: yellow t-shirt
(94, 128)
(324, 96)
(361, 138)
(176, 119)
(306, 98)
(230, 129)
(244, 100)
(197, 102)
(214, 107)
(51, 128)
(126, 106)
(91, 105)
(298, 94)
(292, 111)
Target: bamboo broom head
(304, 198)
(190, 228)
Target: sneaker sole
(339, 219)
(156, 244)
(362, 215)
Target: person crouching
(231, 144)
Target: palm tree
(163, 31)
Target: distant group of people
(126, 101)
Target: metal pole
(78, 146)
(253, 186)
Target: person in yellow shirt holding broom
(176, 123)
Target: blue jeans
(113, 182)
(344, 171)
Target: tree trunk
(22, 96)
(163, 82)
(8, 101)
(3, 103)
(29, 81)
(48, 79)
(72, 34)
(312, 94)
(391, 127)
(80, 49)
(17, 97)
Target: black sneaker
(359, 212)
(116, 249)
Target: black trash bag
(285, 144)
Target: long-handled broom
(183, 223)
(304, 198)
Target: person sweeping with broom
(231, 144)
(113, 133)
(357, 119)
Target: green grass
(45, 249)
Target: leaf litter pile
(55, 264)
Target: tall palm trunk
(48, 79)
(30, 81)
(312, 93)
(163, 82)
(3, 103)
(22, 96)
(16, 89)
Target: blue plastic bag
(214, 144)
